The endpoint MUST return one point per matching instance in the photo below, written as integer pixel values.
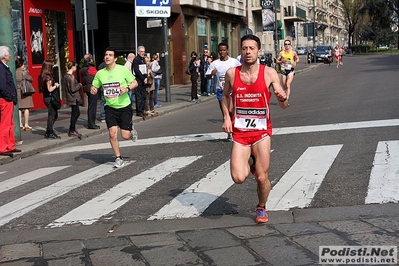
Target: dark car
(321, 53)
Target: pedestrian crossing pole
(6, 40)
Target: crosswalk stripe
(193, 201)
(222, 135)
(298, 186)
(384, 178)
(28, 177)
(2, 173)
(35, 199)
(120, 194)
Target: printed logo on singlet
(112, 90)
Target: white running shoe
(134, 135)
(119, 162)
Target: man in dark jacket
(204, 59)
(88, 72)
(8, 98)
(140, 71)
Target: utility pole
(314, 24)
(275, 29)
(6, 40)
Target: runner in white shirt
(218, 68)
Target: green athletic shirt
(111, 81)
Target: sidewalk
(289, 238)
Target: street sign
(153, 8)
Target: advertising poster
(268, 16)
(36, 40)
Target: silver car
(301, 50)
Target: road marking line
(39, 197)
(384, 178)
(193, 201)
(222, 135)
(28, 177)
(299, 185)
(104, 204)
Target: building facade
(48, 29)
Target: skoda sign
(153, 8)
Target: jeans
(208, 86)
(52, 115)
(157, 84)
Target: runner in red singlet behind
(251, 125)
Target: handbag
(55, 100)
(158, 72)
(26, 87)
(188, 71)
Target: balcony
(294, 14)
(234, 7)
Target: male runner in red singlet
(251, 125)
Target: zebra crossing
(295, 189)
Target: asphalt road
(364, 89)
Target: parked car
(383, 47)
(301, 50)
(321, 53)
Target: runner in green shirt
(116, 81)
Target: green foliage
(120, 60)
(361, 48)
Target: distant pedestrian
(25, 103)
(193, 67)
(150, 88)
(88, 72)
(140, 72)
(156, 72)
(8, 98)
(129, 64)
(72, 97)
(51, 97)
(204, 81)
(337, 55)
(102, 98)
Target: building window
(201, 30)
(225, 32)
(214, 36)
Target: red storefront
(48, 29)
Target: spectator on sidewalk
(204, 81)
(156, 73)
(193, 68)
(72, 96)
(8, 98)
(88, 73)
(102, 97)
(51, 97)
(140, 72)
(149, 100)
(128, 64)
(24, 102)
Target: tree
(379, 27)
(394, 4)
(352, 15)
